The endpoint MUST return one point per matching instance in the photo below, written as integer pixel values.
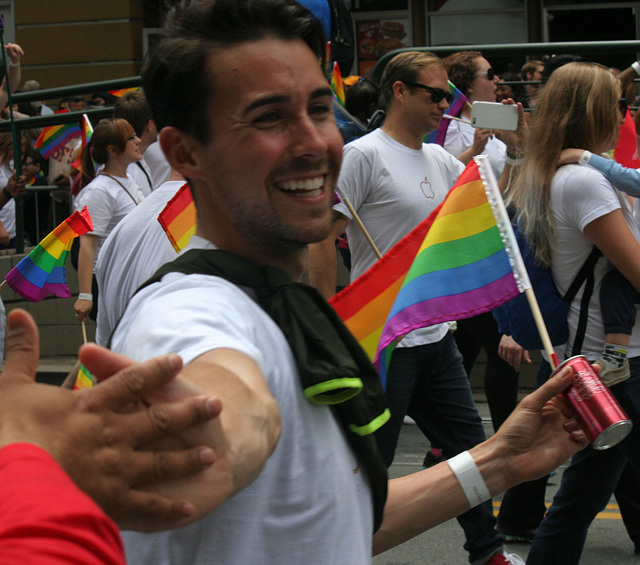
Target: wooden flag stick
(4, 282)
(84, 332)
(542, 328)
(361, 226)
(448, 117)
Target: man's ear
(180, 149)
(399, 89)
(150, 127)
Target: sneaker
(516, 534)
(505, 559)
(430, 459)
(613, 376)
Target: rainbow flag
(454, 110)
(122, 91)
(84, 379)
(87, 129)
(54, 138)
(43, 271)
(337, 85)
(178, 218)
(453, 265)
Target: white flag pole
(513, 251)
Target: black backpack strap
(585, 275)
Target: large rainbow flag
(453, 265)
(54, 138)
(459, 100)
(43, 271)
(178, 218)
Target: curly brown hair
(462, 69)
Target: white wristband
(584, 158)
(470, 479)
(636, 67)
(12, 64)
(85, 296)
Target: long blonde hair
(577, 108)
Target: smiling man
(245, 114)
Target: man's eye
(268, 118)
(320, 110)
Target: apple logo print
(425, 186)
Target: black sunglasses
(489, 74)
(437, 94)
(622, 106)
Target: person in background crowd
(152, 170)
(513, 91)
(531, 71)
(565, 212)
(109, 196)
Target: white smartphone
(493, 115)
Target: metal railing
(21, 124)
(503, 49)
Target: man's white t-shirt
(158, 164)
(580, 195)
(392, 188)
(141, 175)
(311, 503)
(134, 251)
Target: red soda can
(595, 408)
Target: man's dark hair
(134, 108)
(554, 62)
(176, 80)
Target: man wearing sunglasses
(394, 181)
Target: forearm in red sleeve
(46, 519)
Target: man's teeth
(302, 184)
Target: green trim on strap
(334, 391)
(371, 426)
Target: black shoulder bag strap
(332, 367)
(585, 275)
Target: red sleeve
(46, 519)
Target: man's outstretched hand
(94, 436)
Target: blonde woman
(565, 212)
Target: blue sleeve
(623, 178)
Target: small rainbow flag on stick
(84, 379)
(87, 129)
(178, 218)
(43, 271)
(337, 85)
(454, 265)
(54, 138)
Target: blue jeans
(429, 383)
(587, 486)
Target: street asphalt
(607, 542)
